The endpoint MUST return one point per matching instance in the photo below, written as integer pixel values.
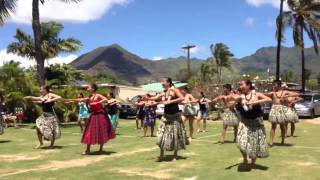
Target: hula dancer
(140, 112)
(113, 110)
(291, 114)
(99, 128)
(47, 123)
(171, 135)
(150, 116)
(83, 112)
(278, 111)
(189, 111)
(230, 118)
(251, 138)
(203, 112)
(3, 111)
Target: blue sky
(158, 28)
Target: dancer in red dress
(99, 128)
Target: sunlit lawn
(132, 157)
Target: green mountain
(132, 69)
(265, 58)
(128, 67)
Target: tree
(287, 76)
(52, 45)
(302, 17)
(37, 33)
(279, 40)
(58, 74)
(318, 78)
(6, 7)
(208, 70)
(222, 56)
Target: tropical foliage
(222, 57)
(64, 74)
(6, 7)
(302, 17)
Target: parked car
(127, 110)
(310, 106)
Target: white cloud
(82, 12)
(157, 58)
(249, 21)
(25, 62)
(273, 3)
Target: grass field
(130, 156)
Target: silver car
(310, 106)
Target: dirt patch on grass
(18, 157)
(81, 162)
(314, 121)
(157, 174)
(302, 164)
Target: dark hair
(249, 83)
(186, 89)
(277, 82)
(94, 86)
(148, 95)
(81, 94)
(112, 95)
(46, 87)
(169, 80)
(228, 87)
(202, 94)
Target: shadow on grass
(169, 158)
(103, 153)
(54, 147)
(225, 142)
(5, 141)
(247, 167)
(283, 145)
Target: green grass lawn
(130, 156)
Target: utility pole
(188, 48)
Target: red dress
(99, 128)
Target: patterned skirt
(251, 138)
(189, 110)
(48, 126)
(291, 115)
(114, 120)
(1, 126)
(98, 130)
(277, 114)
(171, 134)
(150, 118)
(230, 118)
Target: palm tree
(222, 56)
(303, 17)
(6, 7)
(36, 26)
(279, 40)
(51, 45)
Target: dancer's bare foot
(159, 159)
(51, 147)
(85, 153)
(39, 146)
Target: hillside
(128, 67)
(132, 69)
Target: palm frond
(287, 21)
(6, 7)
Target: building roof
(157, 87)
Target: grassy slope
(133, 157)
